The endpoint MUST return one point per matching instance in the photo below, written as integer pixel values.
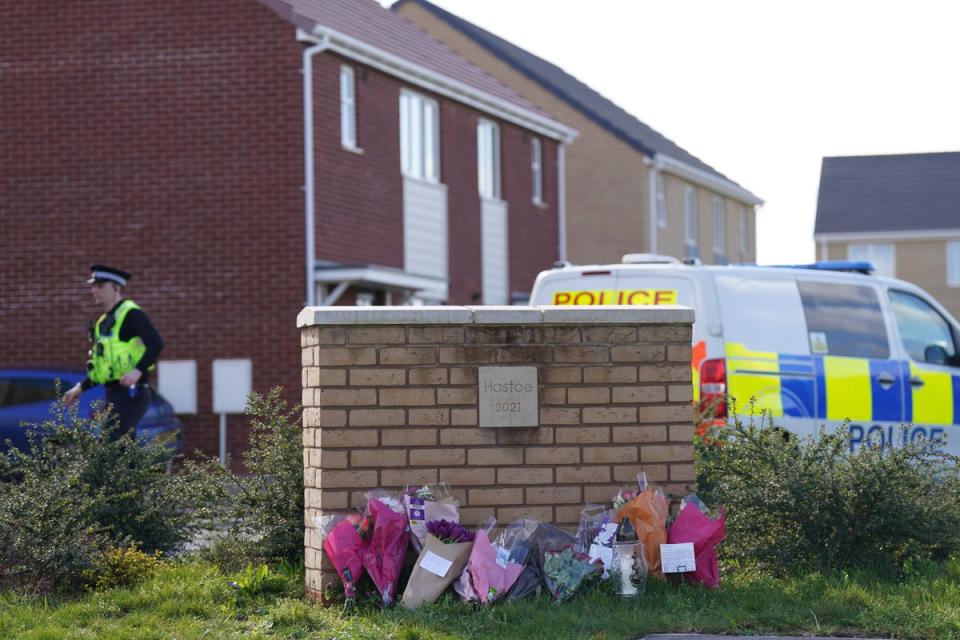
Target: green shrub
(801, 504)
(76, 493)
(123, 566)
(266, 503)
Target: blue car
(26, 396)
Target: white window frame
(869, 251)
(744, 231)
(661, 201)
(488, 159)
(953, 263)
(419, 137)
(536, 169)
(690, 222)
(719, 226)
(348, 108)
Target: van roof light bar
(849, 266)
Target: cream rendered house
(901, 212)
(628, 188)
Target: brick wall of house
(160, 137)
(608, 199)
(166, 138)
(391, 398)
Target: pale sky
(761, 90)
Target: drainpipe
(562, 200)
(654, 224)
(308, 186)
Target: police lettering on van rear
(824, 344)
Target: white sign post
(232, 383)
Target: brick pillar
(391, 397)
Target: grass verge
(195, 600)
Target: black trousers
(127, 411)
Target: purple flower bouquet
(444, 555)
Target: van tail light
(713, 388)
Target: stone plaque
(509, 397)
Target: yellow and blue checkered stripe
(835, 388)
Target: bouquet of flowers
(342, 539)
(566, 570)
(647, 511)
(426, 503)
(492, 568)
(533, 538)
(694, 525)
(445, 553)
(384, 553)
(595, 534)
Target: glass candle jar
(629, 570)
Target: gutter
(698, 176)
(415, 74)
(309, 187)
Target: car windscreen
(20, 391)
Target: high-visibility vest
(111, 357)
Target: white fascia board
(704, 179)
(443, 85)
(919, 234)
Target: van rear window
(844, 320)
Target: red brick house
(243, 158)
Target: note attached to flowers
(678, 558)
(435, 564)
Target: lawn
(195, 600)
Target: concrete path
(698, 636)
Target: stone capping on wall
(541, 314)
(391, 397)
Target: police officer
(124, 349)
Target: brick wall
(391, 397)
(166, 138)
(608, 199)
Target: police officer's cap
(103, 273)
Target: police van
(812, 344)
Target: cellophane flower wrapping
(694, 525)
(533, 539)
(595, 534)
(566, 570)
(342, 541)
(490, 572)
(384, 554)
(424, 503)
(648, 513)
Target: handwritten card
(435, 564)
(677, 558)
(603, 553)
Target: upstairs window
(536, 170)
(719, 227)
(661, 201)
(881, 255)
(488, 159)
(690, 221)
(348, 108)
(953, 263)
(744, 233)
(419, 137)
